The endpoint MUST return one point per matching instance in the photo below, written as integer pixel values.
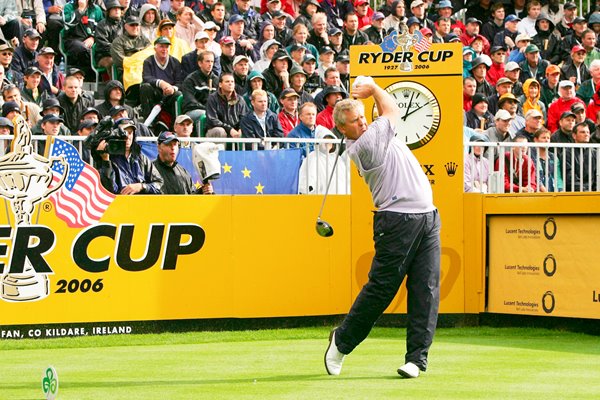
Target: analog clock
(419, 113)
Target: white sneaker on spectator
(333, 358)
(409, 370)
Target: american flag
(82, 200)
(422, 44)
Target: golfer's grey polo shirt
(395, 178)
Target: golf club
(324, 228)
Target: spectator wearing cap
(510, 103)
(107, 31)
(93, 114)
(297, 81)
(533, 9)
(443, 9)
(260, 122)
(530, 100)
(50, 106)
(114, 95)
(495, 24)
(256, 81)
(375, 32)
(184, 128)
(199, 85)
(479, 69)
(227, 54)
(52, 79)
(225, 109)
(129, 43)
(336, 41)
(288, 116)
(364, 13)
(574, 69)
(395, 17)
(418, 10)
(496, 70)
(51, 125)
(593, 104)
(351, 35)
(81, 19)
(326, 60)
(512, 71)
(243, 44)
(176, 179)
(508, 36)
(566, 92)
(478, 117)
(573, 38)
(503, 86)
(250, 17)
(150, 17)
(297, 53)
(6, 57)
(580, 166)
(277, 75)
(533, 66)
(317, 35)
(469, 87)
(517, 53)
(179, 47)
(25, 54)
(534, 120)
(162, 77)
(565, 22)
(313, 79)
(308, 10)
(188, 25)
(331, 95)
(563, 133)
(554, 10)
(580, 116)
(10, 109)
(241, 68)
(283, 34)
(442, 29)
(472, 27)
(74, 101)
(549, 85)
(31, 90)
(129, 173)
(588, 41)
(500, 131)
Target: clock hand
(408, 107)
(414, 111)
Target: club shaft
(331, 177)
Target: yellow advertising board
(426, 85)
(544, 265)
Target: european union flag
(259, 172)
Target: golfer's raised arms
(386, 107)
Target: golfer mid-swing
(406, 231)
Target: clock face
(419, 113)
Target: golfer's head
(349, 118)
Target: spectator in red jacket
(566, 93)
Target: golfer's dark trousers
(405, 245)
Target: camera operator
(122, 166)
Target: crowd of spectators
(231, 68)
(531, 73)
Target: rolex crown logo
(451, 168)
(406, 93)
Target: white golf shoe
(333, 358)
(409, 370)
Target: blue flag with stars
(259, 172)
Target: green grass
(465, 363)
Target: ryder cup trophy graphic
(406, 40)
(25, 180)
